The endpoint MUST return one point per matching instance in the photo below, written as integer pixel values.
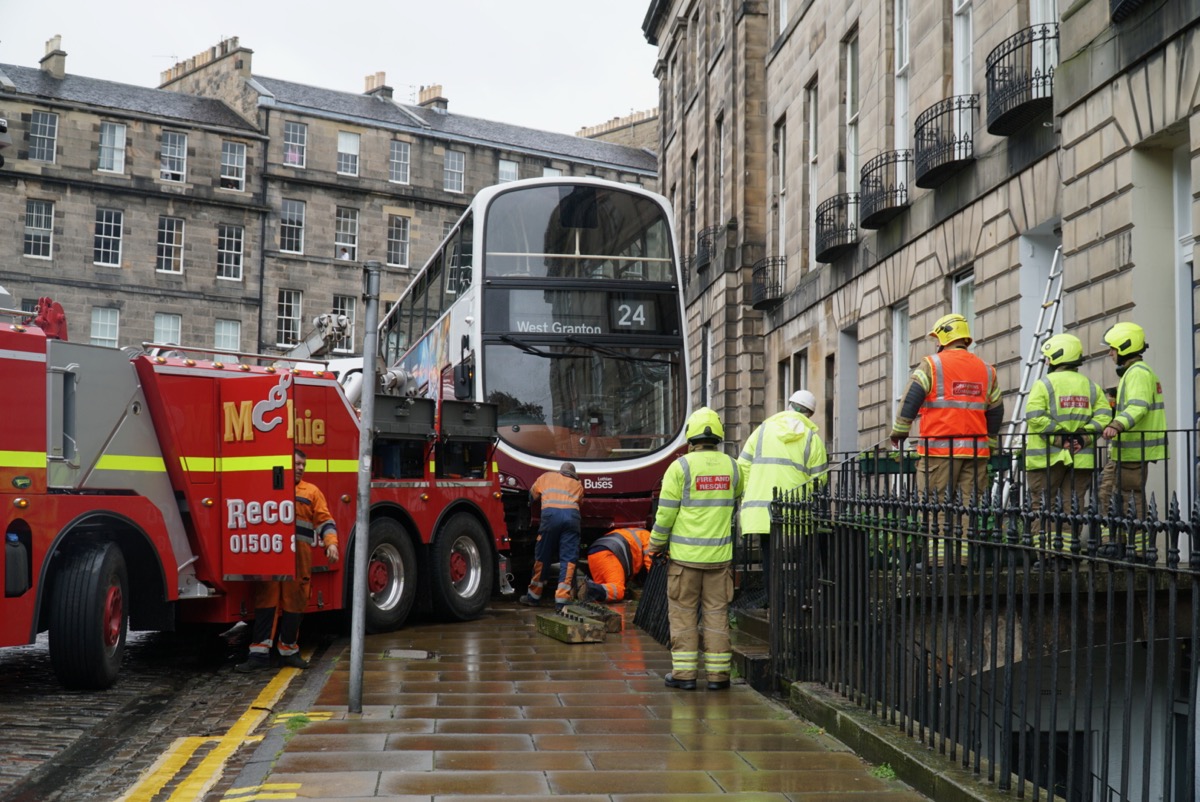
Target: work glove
(898, 439)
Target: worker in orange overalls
(613, 560)
(314, 525)
(558, 533)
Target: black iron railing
(706, 245)
(837, 226)
(883, 187)
(945, 139)
(766, 288)
(1041, 641)
(1020, 78)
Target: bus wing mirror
(464, 380)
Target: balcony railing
(945, 139)
(837, 226)
(766, 287)
(1020, 79)
(883, 187)
(706, 245)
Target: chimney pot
(55, 60)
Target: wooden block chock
(570, 627)
(612, 620)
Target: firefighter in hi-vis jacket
(314, 525)
(958, 398)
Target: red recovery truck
(147, 490)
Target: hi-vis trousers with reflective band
(608, 576)
(1127, 482)
(701, 594)
(1048, 487)
(292, 595)
(968, 479)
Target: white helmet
(805, 399)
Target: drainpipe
(262, 232)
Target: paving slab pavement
(491, 709)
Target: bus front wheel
(462, 568)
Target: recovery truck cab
(148, 490)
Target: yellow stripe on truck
(233, 464)
(127, 462)
(22, 459)
(343, 466)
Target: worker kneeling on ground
(613, 560)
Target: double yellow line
(208, 771)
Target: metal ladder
(1033, 367)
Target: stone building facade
(903, 159)
(328, 180)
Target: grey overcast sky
(556, 65)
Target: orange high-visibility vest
(557, 491)
(953, 422)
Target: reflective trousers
(698, 612)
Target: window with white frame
(233, 166)
(508, 171)
(551, 172)
(852, 113)
(811, 96)
(39, 228)
(783, 382)
(228, 335)
(168, 328)
(706, 365)
(106, 323)
(900, 78)
(291, 226)
(783, 15)
(347, 155)
(287, 317)
(398, 162)
(112, 148)
(169, 258)
(229, 252)
(29, 306)
(106, 244)
(397, 240)
(901, 346)
(963, 69)
(345, 305)
(719, 169)
(455, 166)
(295, 144)
(43, 136)
(345, 233)
(779, 146)
(962, 301)
(447, 227)
(173, 157)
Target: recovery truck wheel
(462, 568)
(90, 617)
(391, 576)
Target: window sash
(43, 136)
(347, 157)
(455, 166)
(397, 242)
(106, 324)
(229, 252)
(509, 171)
(399, 162)
(112, 148)
(291, 226)
(345, 305)
(233, 166)
(39, 228)
(345, 233)
(295, 144)
(170, 245)
(287, 317)
(551, 172)
(168, 328)
(227, 335)
(106, 244)
(173, 159)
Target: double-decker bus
(560, 301)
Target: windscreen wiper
(615, 354)
(530, 349)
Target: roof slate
(392, 113)
(124, 97)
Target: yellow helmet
(950, 328)
(1063, 349)
(704, 426)
(1127, 338)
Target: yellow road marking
(264, 791)
(202, 778)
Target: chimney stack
(431, 97)
(377, 86)
(55, 60)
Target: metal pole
(362, 516)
